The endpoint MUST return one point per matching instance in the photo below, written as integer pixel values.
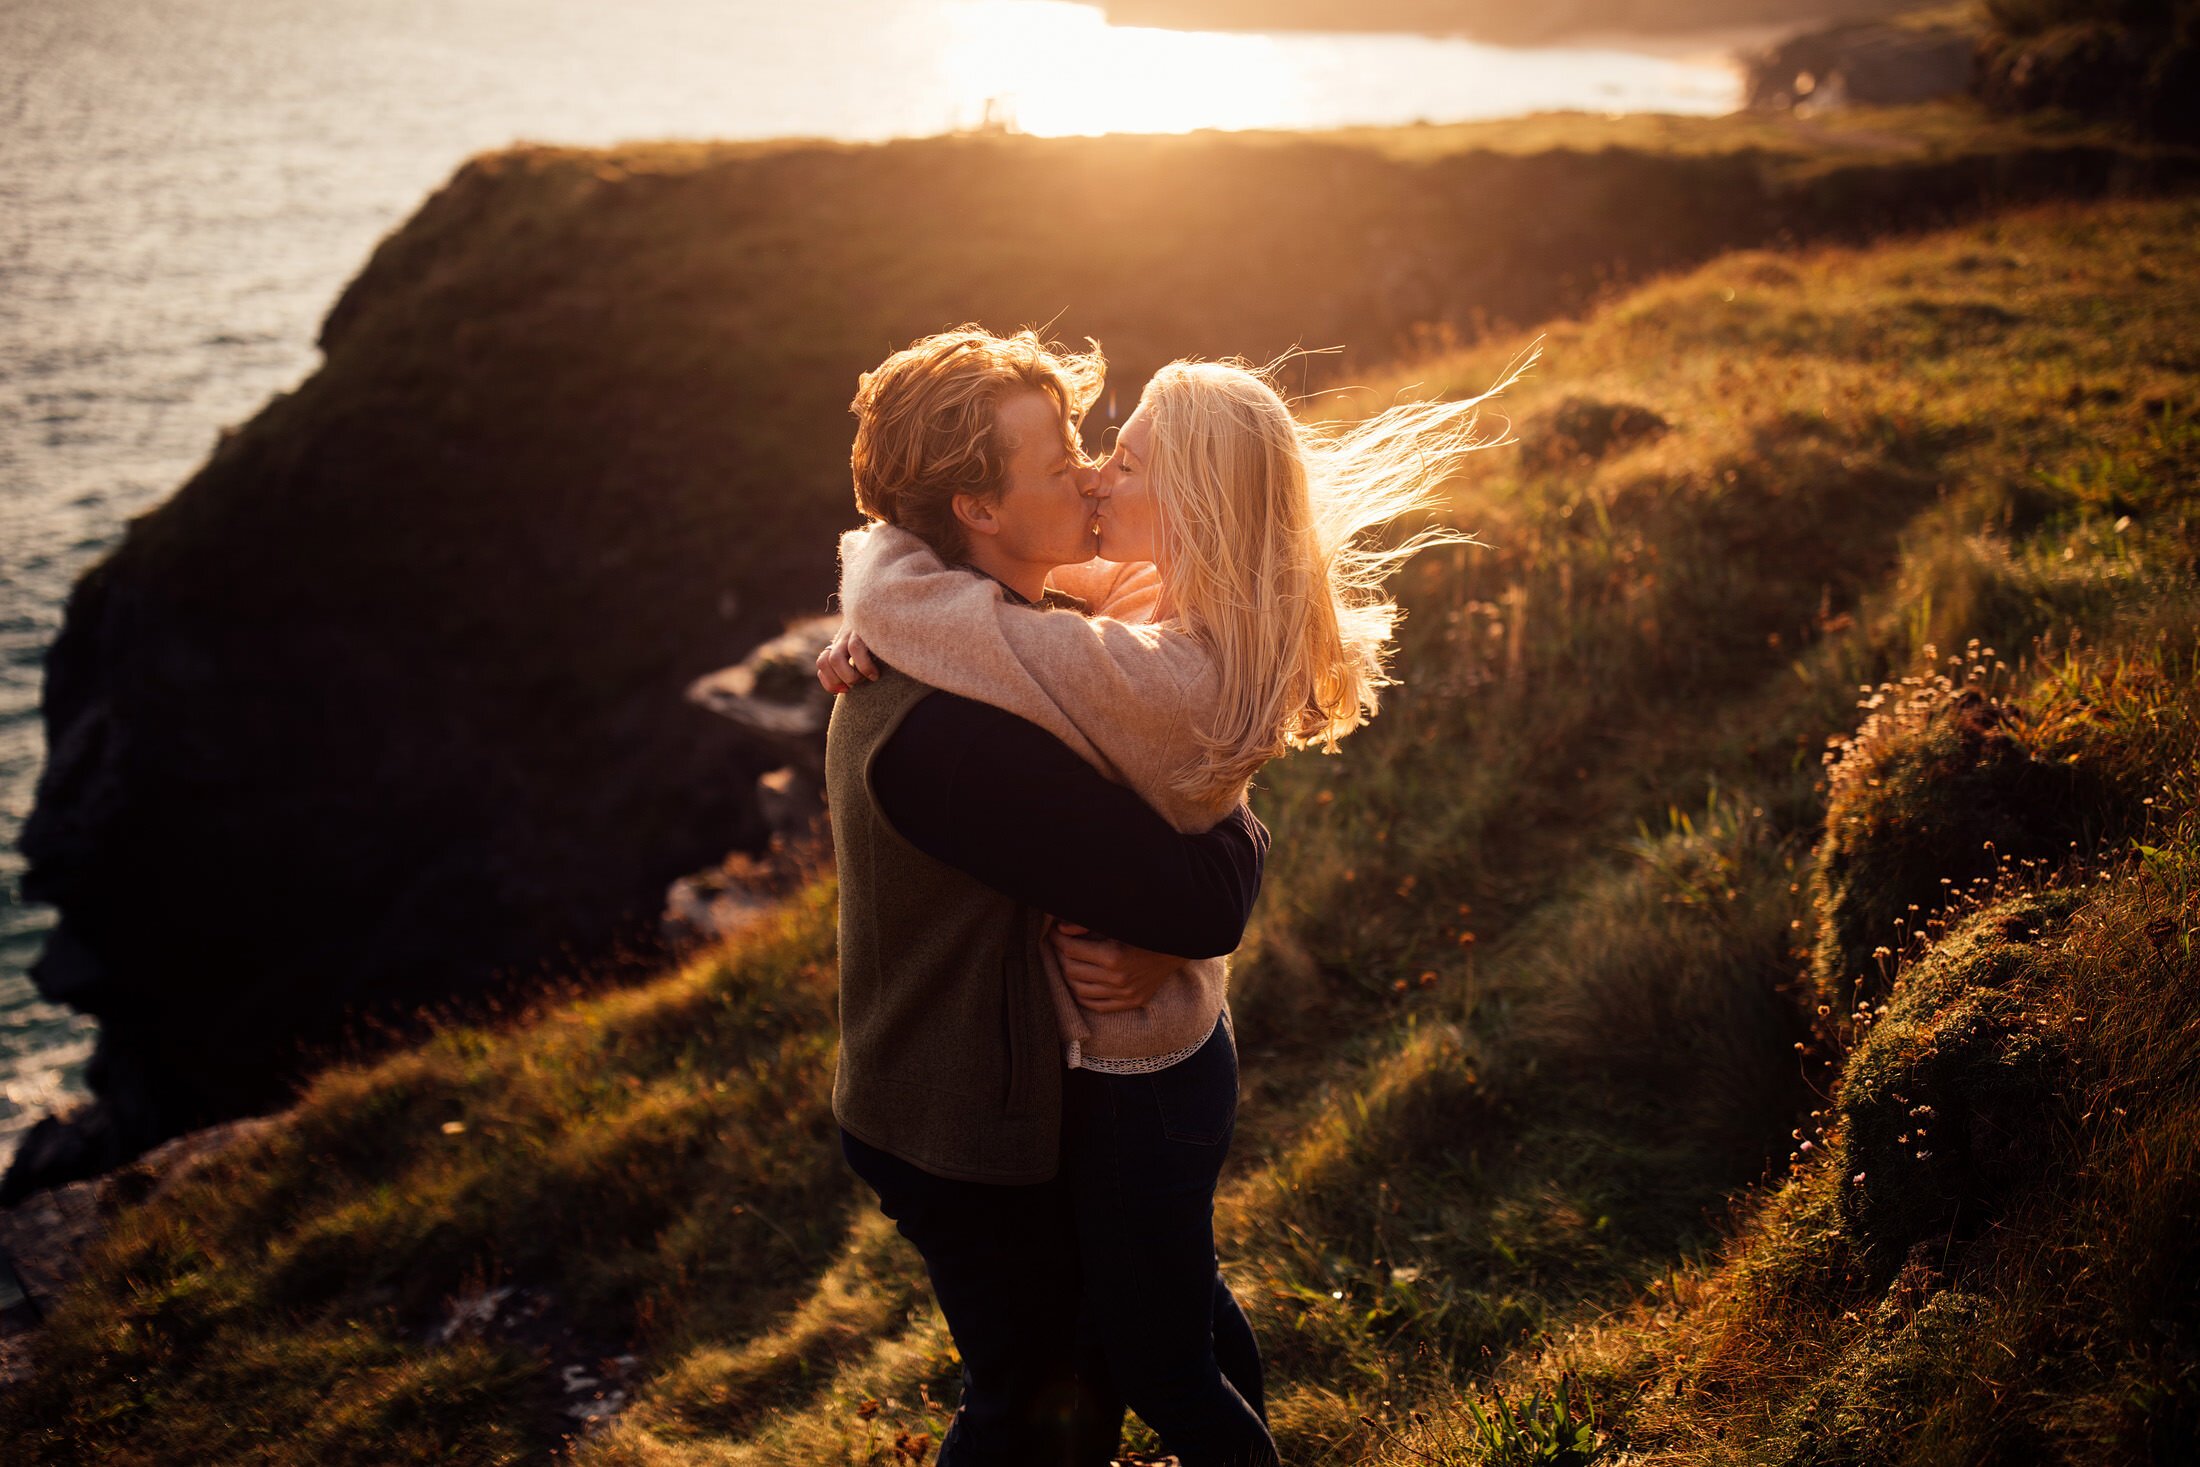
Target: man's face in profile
(1045, 512)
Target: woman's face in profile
(1124, 498)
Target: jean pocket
(1197, 1098)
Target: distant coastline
(1655, 25)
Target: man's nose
(1088, 479)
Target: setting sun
(1057, 69)
(1054, 69)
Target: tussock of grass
(1933, 791)
(1984, 1263)
(1531, 1018)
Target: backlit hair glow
(1271, 555)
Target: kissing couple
(1061, 676)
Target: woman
(1240, 611)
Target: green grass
(662, 1158)
(1557, 967)
(1980, 1255)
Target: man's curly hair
(925, 422)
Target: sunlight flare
(1055, 69)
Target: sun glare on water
(1058, 68)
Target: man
(958, 830)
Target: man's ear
(976, 514)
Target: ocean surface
(185, 185)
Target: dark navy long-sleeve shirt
(999, 797)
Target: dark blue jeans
(1070, 1297)
(1142, 1154)
(1003, 1262)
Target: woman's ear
(976, 514)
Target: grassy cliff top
(581, 436)
(1552, 977)
(1832, 138)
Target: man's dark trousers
(1003, 1261)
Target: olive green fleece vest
(949, 1055)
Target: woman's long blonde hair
(1269, 552)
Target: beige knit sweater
(1127, 693)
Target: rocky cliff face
(385, 707)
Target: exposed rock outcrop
(774, 694)
(1863, 64)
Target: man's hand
(1107, 976)
(845, 662)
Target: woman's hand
(1107, 976)
(845, 662)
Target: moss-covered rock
(1864, 1408)
(1948, 1105)
(1935, 790)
